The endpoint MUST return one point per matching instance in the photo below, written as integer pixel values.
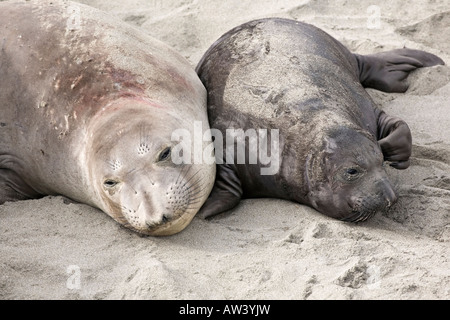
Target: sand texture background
(265, 248)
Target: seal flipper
(225, 195)
(13, 188)
(394, 138)
(386, 71)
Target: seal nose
(387, 192)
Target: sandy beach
(53, 248)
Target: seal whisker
(184, 174)
(194, 203)
(193, 184)
(143, 135)
(197, 198)
(352, 217)
(194, 187)
(191, 178)
(187, 172)
(198, 192)
(196, 184)
(179, 174)
(192, 200)
(199, 187)
(192, 208)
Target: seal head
(134, 175)
(347, 180)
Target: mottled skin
(291, 76)
(87, 109)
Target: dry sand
(265, 248)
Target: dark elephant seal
(88, 106)
(332, 140)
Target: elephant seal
(88, 106)
(297, 81)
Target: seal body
(88, 107)
(332, 142)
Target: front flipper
(387, 71)
(225, 195)
(394, 138)
(13, 188)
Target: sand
(53, 248)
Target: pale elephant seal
(88, 106)
(278, 74)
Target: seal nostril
(164, 219)
(386, 193)
(391, 200)
(390, 197)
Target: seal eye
(109, 183)
(350, 174)
(164, 154)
